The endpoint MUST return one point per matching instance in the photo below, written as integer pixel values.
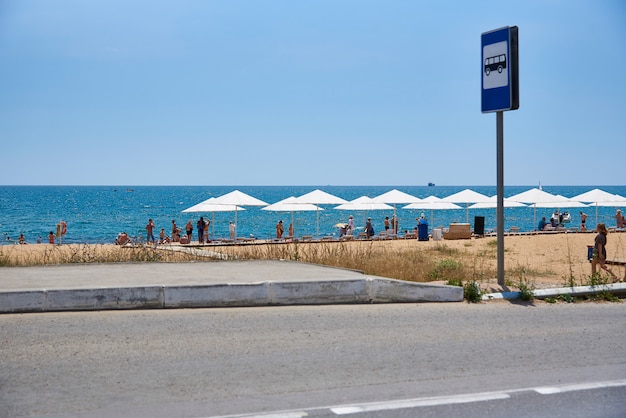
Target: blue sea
(96, 214)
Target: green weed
(472, 292)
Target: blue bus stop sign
(499, 70)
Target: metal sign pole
(500, 92)
(500, 191)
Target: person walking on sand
(599, 252)
(279, 229)
(150, 229)
(350, 229)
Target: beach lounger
(385, 235)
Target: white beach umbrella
(596, 195)
(561, 202)
(290, 205)
(534, 196)
(394, 197)
(432, 203)
(319, 197)
(209, 206)
(616, 202)
(466, 196)
(494, 204)
(363, 203)
(597, 198)
(239, 199)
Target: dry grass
(410, 263)
(541, 260)
(37, 255)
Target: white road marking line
(433, 401)
(549, 390)
(285, 414)
(414, 403)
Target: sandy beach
(545, 260)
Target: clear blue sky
(262, 92)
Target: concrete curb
(615, 288)
(268, 293)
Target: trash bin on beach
(589, 252)
(422, 231)
(437, 234)
(479, 225)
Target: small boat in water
(561, 217)
(430, 184)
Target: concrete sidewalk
(201, 285)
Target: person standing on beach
(350, 229)
(394, 224)
(207, 223)
(231, 229)
(175, 233)
(150, 229)
(369, 229)
(51, 237)
(619, 219)
(386, 223)
(583, 219)
(189, 230)
(279, 229)
(599, 252)
(290, 230)
(200, 228)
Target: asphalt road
(233, 361)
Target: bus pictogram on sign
(496, 63)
